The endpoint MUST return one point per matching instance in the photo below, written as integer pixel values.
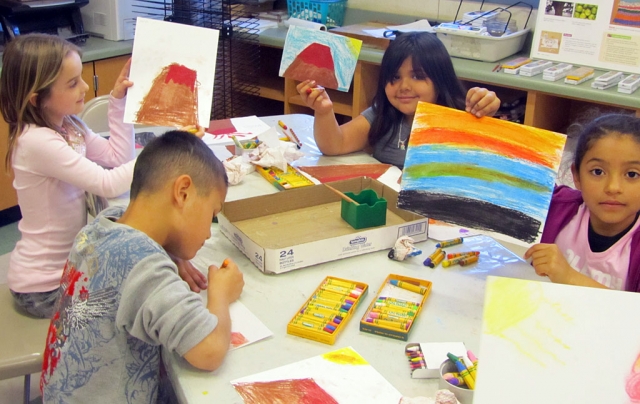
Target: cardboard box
(294, 327)
(387, 327)
(302, 227)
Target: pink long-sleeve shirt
(51, 179)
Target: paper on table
(436, 352)
(249, 124)
(416, 26)
(246, 328)
(221, 152)
(376, 33)
(242, 128)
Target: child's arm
(190, 274)
(482, 102)
(331, 138)
(122, 82)
(547, 260)
(225, 286)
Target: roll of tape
(305, 23)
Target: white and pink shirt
(609, 267)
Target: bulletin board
(599, 33)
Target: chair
(22, 342)
(95, 114)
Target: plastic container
(486, 48)
(327, 12)
(463, 394)
(371, 211)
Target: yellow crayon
(438, 259)
(391, 324)
(448, 243)
(344, 284)
(469, 260)
(462, 254)
(392, 312)
(409, 286)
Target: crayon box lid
(320, 335)
(290, 230)
(434, 353)
(383, 328)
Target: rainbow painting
(482, 173)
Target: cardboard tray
(323, 336)
(302, 227)
(394, 332)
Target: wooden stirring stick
(341, 195)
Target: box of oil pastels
(425, 358)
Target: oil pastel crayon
(417, 359)
(398, 302)
(391, 306)
(408, 286)
(326, 312)
(344, 291)
(345, 284)
(456, 381)
(328, 317)
(468, 260)
(430, 258)
(339, 307)
(333, 297)
(418, 365)
(225, 263)
(282, 125)
(462, 369)
(384, 316)
(462, 254)
(415, 348)
(391, 324)
(393, 313)
(304, 317)
(314, 327)
(455, 261)
(451, 242)
(312, 324)
(451, 375)
(473, 360)
(438, 259)
(330, 301)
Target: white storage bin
(486, 48)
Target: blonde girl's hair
(30, 65)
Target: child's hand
(315, 97)
(122, 82)
(547, 260)
(225, 282)
(482, 102)
(194, 129)
(190, 274)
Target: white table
(453, 311)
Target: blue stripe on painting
(459, 155)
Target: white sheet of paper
(221, 152)
(182, 44)
(249, 124)
(435, 353)
(346, 383)
(416, 26)
(554, 343)
(376, 33)
(244, 322)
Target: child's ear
(576, 177)
(182, 190)
(33, 99)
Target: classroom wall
(441, 10)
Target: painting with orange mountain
(327, 58)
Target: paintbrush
(341, 195)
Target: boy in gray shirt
(121, 297)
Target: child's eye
(633, 174)
(597, 171)
(419, 76)
(73, 83)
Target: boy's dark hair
(607, 124)
(428, 56)
(173, 154)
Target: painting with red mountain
(327, 58)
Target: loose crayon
(455, 261)
(294, 138)
(462, 369)
(282, 125)
(456, 381)
(468, 260)
(438, 259)
(408, 286)
(451, 242)
(225, 263)
(462, 254)
(430, 258)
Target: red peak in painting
(180, 74)
(318, 55)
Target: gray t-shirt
(121, 299)
(389, 148)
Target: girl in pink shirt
(55, 159)
(592, 235)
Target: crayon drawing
(575, 341)
(246, 328)
(341, 376)
(327, 58)
(173, 87)
(485, 174)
